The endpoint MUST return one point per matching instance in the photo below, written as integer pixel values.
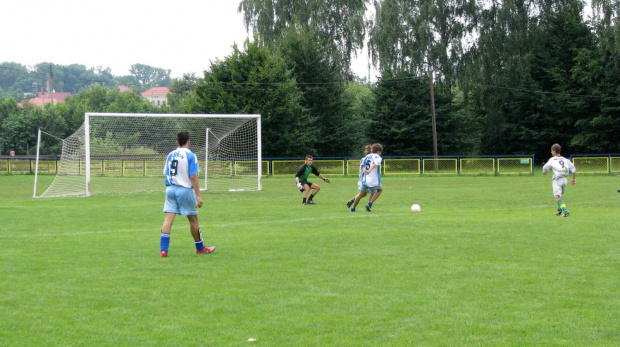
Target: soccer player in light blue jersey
(182, 193)
(370, 178)
(561, 168)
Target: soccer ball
(416, 208)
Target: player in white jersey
(370, 178)
(561, 168)
(367, 151)
(182, 193)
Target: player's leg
(164, 238)
(372, 191)
(194, 228)
(374, 197)
(171, 209)
(359, 196)
(350, 201)
(306, 187)
(558, 190)
(315, 189)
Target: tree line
(508, 77)
(19, 81)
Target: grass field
(486, 263)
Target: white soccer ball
(416, 208)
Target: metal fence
(597, 163)
(419, 165)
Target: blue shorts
(180, 200)
(367, 189)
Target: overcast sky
(181, 35)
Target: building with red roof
(44, 98)
(156, 95)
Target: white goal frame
(87, 142)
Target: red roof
(58, 96)
(156, 91)
(123, 89)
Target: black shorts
(303, 183)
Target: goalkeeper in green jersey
(301, 178)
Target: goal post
(125, 153)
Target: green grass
(486, 262)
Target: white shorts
(559, 185)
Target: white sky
(181, 35)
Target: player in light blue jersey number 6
(561, 168)
(182, 193)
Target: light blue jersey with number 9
(180, 165)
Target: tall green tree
(257, 81)
(598, 69)
(418, 35)
(497, 66)
(322, 87)
(339, 25)
(183, 93)
(402, 123)
(148, 76)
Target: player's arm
(325, 178)
(300, 172)
(196, 187)
(372, 166)
(316, 172)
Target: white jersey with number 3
(560, 166)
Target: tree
(361, 102)
(402, 123)
(597, 70)
(183, 93)
(76, 77)
(147, 76)
(257, 81)
(322, 87)
(339, 25)
(418, 35)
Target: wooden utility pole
(433, 122)
(51, 84)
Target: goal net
(125, 153)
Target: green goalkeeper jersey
(304, 171)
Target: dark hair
(182, 137)
(556, 148)
(377, 147)
(309, 156)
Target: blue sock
(370, 204)
(199, 244)
(164, 241)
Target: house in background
(44, 98)
(123, 89)
(156, 95)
